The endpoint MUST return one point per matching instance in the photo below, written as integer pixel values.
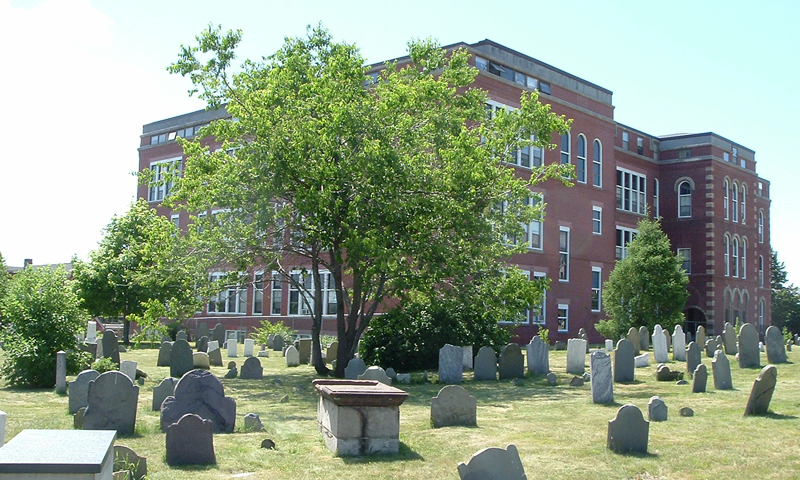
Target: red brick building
(714, 208)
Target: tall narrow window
(563, 317)
(685, 254)
(533, 230)
(761, 308)
(726, 193)
(596, 285)
(258, 293)
(743, 267)
(735, 202)
(640, 145)
(597, 164)
(761, 226)
(276, 294)
(685, 200)
(727, 254)
(597, 220)
(735, 250)
(656, 211)
(176, 220)
(538, 311)
(565, 148)
(742, 197)
(232, 299)
(625, 139)
(563, 254)
(624, 237)
(760, 271)
(581, 159)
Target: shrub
(261, 334)
(544, 334)
(103, 365)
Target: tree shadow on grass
(405, 453)
(779, 416)
(644, 455)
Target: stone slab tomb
(200, 392)
(454, 406)
(493, 464)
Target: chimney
(28, 262)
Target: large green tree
(785, 297)
(389, 185)
(647, 287)
(4, 278)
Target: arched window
(735, 202)
(597, 164)
(761, 226)
(684, 200)
(760, 271)
(735, 307)
(745, 301)
(565, 149)
(727, 253)
(743, 268)
(735, 249)
(580, 167)
(727, 305)
(761, 308)
(656, 212)
(725, 190)
(742, 197)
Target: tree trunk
(126, 331)
(316, 351)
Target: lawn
(558, 431)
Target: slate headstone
(623, 362)
(79, 390)
(111, 403)
(644, 339)
(699, 379)
(218, 334)
(304, 348)
(602, 380)
(538, 356)
(485, 364)
(127, 461)
(110, 346)
(214, 354)
(202, 344)
(202, 331)
(776, 351)
(700, 336)
(660, 350)
(292, 357)
(552, 379)
(668, 337)
(711, 347)
(354, 368)
(664, 374)
(686, 412)
(278, 343)
(453, 406)
(180, 359)
(164, 353)
(182, 335)
(633, 337)
(657, 410)
(252, 423)
(679, 344)
(693, 357)
(721, 370)
(450, 364)
(163, 390)
(391, 373)
(576, 356)
(128, 367)
(332, 351)
(376, 373)
(729, 339)
(190, 441)
(493, 464)
(200, 392)
(61, 372)
(252, 369)
(466, 352)
(628, 432)
(232, 373)
(749, 355)
(511, 363)
(761, 393)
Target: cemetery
(509, 413)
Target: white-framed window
(276, 294)
(640, 145)
(563, 254)
(565, 149)
(232, 299)
(743, 267)
(533, 231)
(742, 198)
(631, 190)
(656, 211)
(563, 317)
(625, 140)
(258, 293)
(735, 202)
(538, 311)
(685, 200)
(201, 217)
(685, 254)
(161, 185)
(735, 262)
(580, 166)
(597, 220)
(760, 271)
(528, 156)
(725, 198)
(301, 301)
(597, 277)
(175, 218)
(597, 163)
(761, 226)
(726, 156)
(624, 237)
(735, 152)
(726, 248)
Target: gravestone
(180, 359)
(485, 364)
(252, 369)
(466, 352)
(181, 335)
(278, 343)
(252, 423)
(623, 362)
(218, 333)
(292, 357)
(61, 372)
(699, 379)
(729, 339)
(693, 357)
(214, 354)
(664, 374)
(190, 441)
(633, 337)
(582, 335)
(644, 338)
(201, 360)
(776, 351)
(700, 336)
(660, 350)
(721, 370)
(232, 345)
(127, 461)
(403, 378)
(493, 464)
(749, 355)
(450, 364)
(642, 360)
(602, 380)
(761, 393)
(686, 412)
(164, 352)
(354, 368)
(202, 331)
(110, 346)
(538, 356)
(249, 346)
(304, 348)
(200, 392)
(560, 345)
(376, 373)
(77, 419)
(232, 373)
(270, 338)
(163, 390)
(679, 344)
(788, 345)
(552, 379)
(577, 381)
(669, 340)
(657, 410)
(628, 432)
(98, 349)
(453, 406)
(79, 390)
(332, 351)
(202, 344)
(511, 363)
(91, 331)
(609, 345)
(711, 347)
(111, 403)
(576, 356)
(391, 373)
(128, 367)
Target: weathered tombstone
(376, 373)
(511, 363)
(699, 379)
(552, 379)
(252, 423)
(664, 374)
(201, 360)
(657, 410)
(693, 357)
(700, 336)
(729, 339)
(332, 351)
(721, 370)
(761, 347)
(200, 392)
(79, 390)
(686, 412)
(391, 373)
(576, 356)
(644, 338)
(669, 340)
(609, 345)
(180, 359)
(485, 364)
(711, 347)
(292, 357)
(190, 441)
(218, 333)
(98, 350)
(110, 346)
(270, 339)
(623, 361)
(582, 335)
(642, 360)
(181, 335)
(679, 344)
(354, 368)
(252, 369)
(202, 331)
(761, 393)
(91, 331)
(232, 373)
(304, 348)
(403, 378)
(128, 367)
(602, 381)
(633, 337)
(776, 351)
(788, 345)
(202, 344)
(493, 464)
(749, 356)
(450, 368)
(628, 432)
(660, 350)
(126, 460)
(249, 346)
(77, 419)
(466, 356)
(214, 354)
(454, 406)
(232, 345)
(61, 372)
(538, 356)
(577, 381)
(164, 353)
(111, 403)
(163, 390)
(560, 345)
(278, 343)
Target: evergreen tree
(785, 297)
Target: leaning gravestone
(679, 344)
(576, 356)
(376, 373)
(450, 364)
(729, 339)
(200, 392)
(214, 354)
(79, 390)
(180, 359)
(644, 338)
(628, 432)
(776, 351)
(163, 390)
(660, 350)
(623, 362)
(218, 333)
(493, 464)
(453, 406)
(332, 351)
(511, 363)
(749, 355)
(699, 379)
(582, 335)
(602, 381)
(693, 357)
(354, 368)
(538, 357)
(190, 441)
(249, 346)
(111, 403)
(485, 364)
(700, 336)
(292, 357)
(761, 393)
(657, 410)
(633, 337)
(252, 369)
(110, 346)
(164, 352)
(721, 370)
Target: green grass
(558, 431)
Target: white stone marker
(249, 345)
(128, 367)
(2, 428)
(679, 344)
(660, 350)
(576, 356)
(91, 331)
(609, 345)
(233, 345)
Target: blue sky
(81, 77)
